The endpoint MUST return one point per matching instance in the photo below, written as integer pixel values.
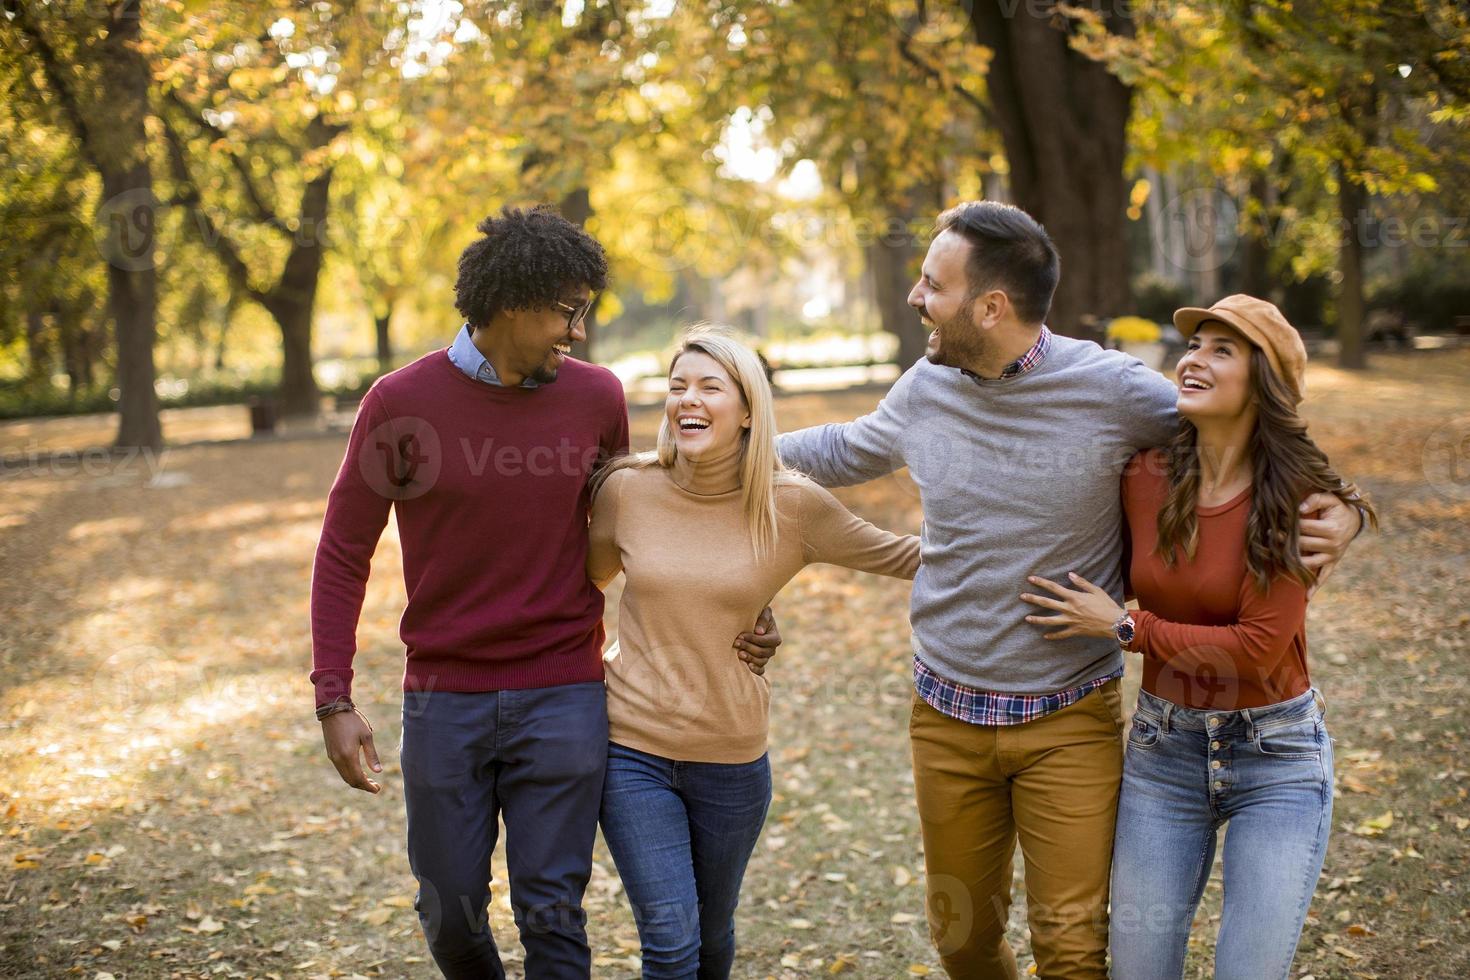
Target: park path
(169, 813)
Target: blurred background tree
(267, 198)
(80, 69)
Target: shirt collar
(1023, 364)
(467, 357)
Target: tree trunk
(224, 331)
(1255, 269)
(1062, 120)
(77, 353)
(576, 207)
(293, 300)
(1352, 202)
(117, 76)
(38, 358)
(891, 261)
(385, 342)
(132, 286)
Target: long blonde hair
(761, 469)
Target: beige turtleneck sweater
(677, 688)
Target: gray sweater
(1017, 477)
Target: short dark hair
(1009, 250)
(526, 261)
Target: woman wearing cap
(706, 530)
(1228, 729)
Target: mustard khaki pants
(1053, 784)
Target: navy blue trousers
(535, 758)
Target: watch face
(1125, 631)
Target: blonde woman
(706, 529)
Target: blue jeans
(1268, 773)
(537, 758)
(681, 834)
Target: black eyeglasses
(575, 314)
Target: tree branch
(235, 267)
(913, 58)
(264, 213)
(51, 67)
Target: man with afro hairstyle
(483, 451)
(525, 289)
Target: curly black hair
(526, 260)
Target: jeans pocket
(1298, 741)
(1144, 733)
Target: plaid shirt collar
(1021, 365)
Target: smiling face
(1214, 375)
(705, 410)
(942, 297)
(540, 340)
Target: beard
(546, 372)
(961, 343)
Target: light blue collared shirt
(464, 355)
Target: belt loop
(1164, 717)
(1250, 724)
(1321, 702)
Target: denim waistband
(1167, 714)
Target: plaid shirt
(1025, 362)
(979, 707)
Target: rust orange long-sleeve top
(1210, 638)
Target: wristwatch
(1123, 629)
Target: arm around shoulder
(841, 454)
(831, 533)
(1150, 402)
(604, 556)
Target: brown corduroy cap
(1263, 325)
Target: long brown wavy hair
(1286, 466)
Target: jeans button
(1215, 764)
(1214, 722)
(1219, 785)
(1215, 746)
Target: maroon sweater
(489, 485)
